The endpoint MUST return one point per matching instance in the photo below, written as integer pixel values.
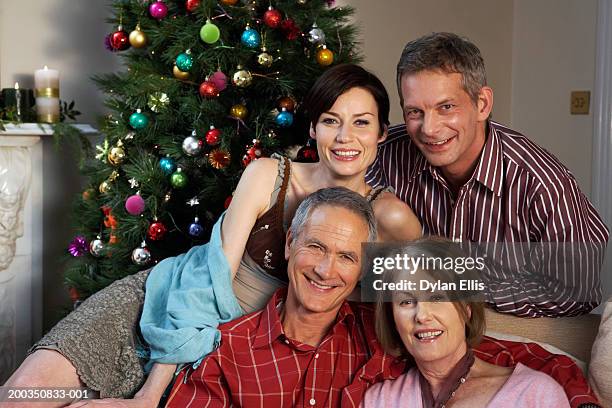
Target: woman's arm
(395, 220)
(251, 199)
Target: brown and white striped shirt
(519, 193)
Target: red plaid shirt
(256, 364)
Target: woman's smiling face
(348, 133)
(432, 331)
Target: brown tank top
(266, 243)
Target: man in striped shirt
(473, 180)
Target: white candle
(46, 82)
(18, 101)
(46, 78)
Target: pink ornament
(135, 204)
(219, 79)
(158, 10)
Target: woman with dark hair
(348, 114)
(438, 331)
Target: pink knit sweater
(525, 388)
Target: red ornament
(252, 153)
(290, 29)
(219, 159)
(120, 40)
(192, 5)
(74, 294)
(228, 201)
(156, 231)
(287, 102)
(208, 90)
(307, 154)
(272, 18)
(213, 136)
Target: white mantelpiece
(21, 240)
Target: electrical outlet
(580, 102)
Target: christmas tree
(209, 86)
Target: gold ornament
(264, 59)
(219, 158)
(138, 38)
(324, 56)
(239, 111)
(105, 187)
(158, 101)
(178, 74)
(116, 155)
(242, 78)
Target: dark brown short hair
(336, 81)
(472, 313)
(446, 52)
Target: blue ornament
(167, 165)
(250, 38)
(195, 229)
(284, 118)
(138, 120)
(184, 62)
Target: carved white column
(21, 241)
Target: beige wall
(63, 34)
(387, 25)
(66, 35)
(554, 53)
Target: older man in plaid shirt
(309, 346)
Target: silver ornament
(142, 255)
(316, 35)
(96, 247)
(192, 146)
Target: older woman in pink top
(439, 330)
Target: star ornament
(102, 150)
(133, 182)
(193, 201)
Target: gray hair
(446, 52)
(335, 197)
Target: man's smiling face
(325, 259)
(443, 121)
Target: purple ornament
(158, 10)
(135, 204)
(78, 246)
(219, 79)
(107, 43)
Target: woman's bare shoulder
(395, 218)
